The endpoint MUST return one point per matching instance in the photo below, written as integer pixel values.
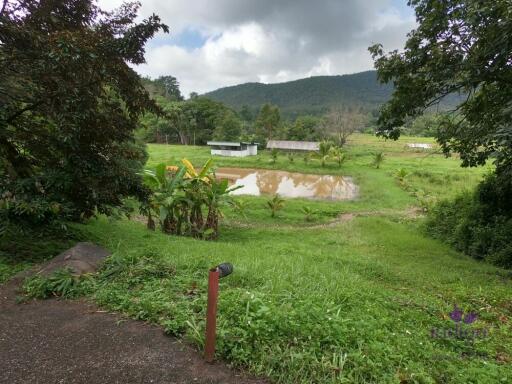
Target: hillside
(312, 95)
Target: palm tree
(275, 204)
(324, 151)
(378, 159)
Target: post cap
(225, 269)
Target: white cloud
(269, 40)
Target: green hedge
(479, 223)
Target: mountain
(313, 95)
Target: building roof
(230, 143)
(293, 145)
(419, 145)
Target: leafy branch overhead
(69, 104)
(459, 47)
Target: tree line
(198, 119)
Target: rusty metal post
(211, 314)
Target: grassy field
(364, 299)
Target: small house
(233, 149)
(419, 145)
(298, 146)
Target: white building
(293, 145)
(233, 149)
(419, 145)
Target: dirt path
(68, 342)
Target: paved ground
(55, 341)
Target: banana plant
(337, 154)
(166, 196)
(275, 204)
(198, 183)
(217, 195)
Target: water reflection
(260, 181)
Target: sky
(218, 43)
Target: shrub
(273, 155)
(308, 213)
(62, 283)
(479, 223)
(378, 159)
(275, 204)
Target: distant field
(429, 172)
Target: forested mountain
(312, 95)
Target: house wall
(226, 152)
(253, 150)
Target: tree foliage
(313, 95)
(341, 122)
(194, 121)
(459, 46)
(229, 128)
(306, 128)
(267, 121)
(163, 86)
(69, 103)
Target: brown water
(287, 184)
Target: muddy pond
(258, 182)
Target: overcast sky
(216, 43)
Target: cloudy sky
(216, 43)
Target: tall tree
(341, 122)
(305, 128)
(170, 87)
(268, 120)
(459, 46)
(69, 103)
(229, 127)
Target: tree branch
(22, 111)
(4, 5)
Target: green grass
(429, 171)
(324, 301)
(353, 303)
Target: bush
(479, 223)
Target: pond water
(287, 184)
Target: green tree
(459, 46)
(424, 125)
(170, 86)
(305, 128)
(246, 114)
(69, 104)
(228, 128)
(268, 121)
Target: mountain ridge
(314, 95)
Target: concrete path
(59, 341)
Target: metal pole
(211, 314)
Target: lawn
(365, 299)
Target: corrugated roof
(293, 145)
(229, 143)
(224, 143)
